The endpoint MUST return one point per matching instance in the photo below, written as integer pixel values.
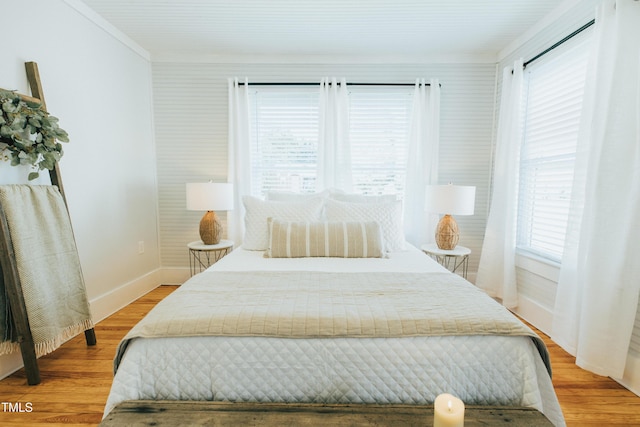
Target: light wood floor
(76, 380)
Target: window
(553, 92)
(284, 138)
(379, 135)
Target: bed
(394, 329)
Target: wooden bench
(175, 413)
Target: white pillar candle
(448, 411)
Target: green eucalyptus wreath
(28, 134)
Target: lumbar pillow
(295, 239)
(257, 211)
(388, 215)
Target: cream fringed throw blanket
(48, 267)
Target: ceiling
(339, 28)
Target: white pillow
(388, 215)
(256, 234)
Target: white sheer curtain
(597, 298)
(239, 170)
(497, 271)
(422, 163)
(334, 153)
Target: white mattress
(482, 370)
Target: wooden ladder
(9, 270)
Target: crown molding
(197, 57)
(549, 19)
(107, 27)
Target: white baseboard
(108, 303)
(9, 363)
(542, 318)
(101, 307)
(534, 313)
(631, 378)
(175, 275)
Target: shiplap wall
(190, 102)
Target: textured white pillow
(256, 234)
(388, 215)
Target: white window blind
(284, 139)
(554, 89)
(379, 135)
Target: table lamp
(449, 200)
(210, 197)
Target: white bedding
(338, 370)
(410, 261)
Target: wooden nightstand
(454, 260)
(201, 256)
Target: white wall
(537, 280)
(101, 91)
(191, 133)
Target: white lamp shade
(209, 196)
(450, 199)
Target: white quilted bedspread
(480, 370)
(375, 353)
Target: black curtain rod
(569, 37)
(318, 83)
